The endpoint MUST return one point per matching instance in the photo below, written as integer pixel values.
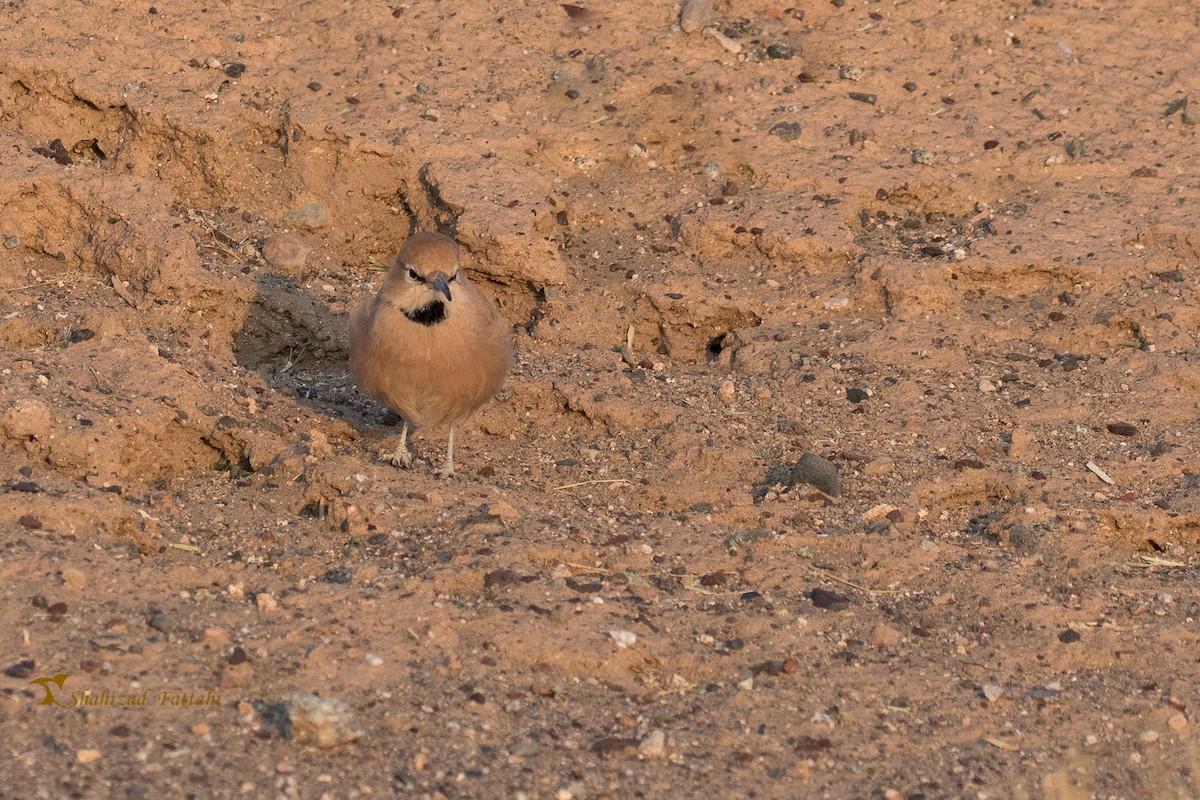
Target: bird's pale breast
(431, 374)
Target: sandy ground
(944, 248)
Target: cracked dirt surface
(949, 248)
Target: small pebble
(654, 745)
(22, 669)
(524, 748)
(849, 72)
(780, 51)
(613, 745)
(161, 622)
(787, 131)
(1069, 637)
(266, 603)
(287, 252)
(309, 216)
(11, 241)
(694, 15)
(731, 45)
(500, 578)
(73, 578)
(992, 692)
(922, 157)
(504, 510)
(830, 601)
(885, 636)
(1122, 429)
(817, 472)
(623, 638)
(87, 756)
(1177, 722)
(322, 721)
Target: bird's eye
(453, 277)
(412, 273)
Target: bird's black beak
(438, 281)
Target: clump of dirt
(947, 252)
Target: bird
(429, 344)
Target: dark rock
(830, 601)
(817, 472)
(1069, 637)
(787, 131)
(22, 669)
(338, 575)
(161, 622)
(811, 745)
(1122, 429)
(500, 578)
(613, 745)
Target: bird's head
(421, 279)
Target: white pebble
(623, 638)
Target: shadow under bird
(429, 344)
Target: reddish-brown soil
(948, 247)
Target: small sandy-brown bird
(429, 345)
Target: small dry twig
(119, 287)
(822, 573)
(589, 483)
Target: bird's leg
(402, 458)
(447, 469)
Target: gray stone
(694, 15)
(524, 748)
(161, 622)
(817, 472)
(309, 216)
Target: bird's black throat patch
(430, 314)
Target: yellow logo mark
(50, 700)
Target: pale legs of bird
(447, 469)
(403, 456)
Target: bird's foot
(397, 458)
(445, 471)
